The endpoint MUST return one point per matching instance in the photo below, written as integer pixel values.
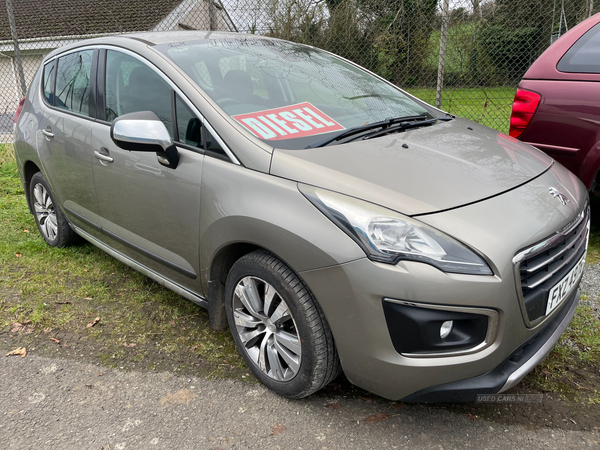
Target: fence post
(13, 31)
(442, 60)
(211, 15)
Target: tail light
(19, 108)
(524, 106)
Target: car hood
(418, 171)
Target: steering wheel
(225, 101)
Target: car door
(68, 114)
(150, 213)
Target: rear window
(584, 55)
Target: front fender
(241, 205)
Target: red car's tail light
(524, 105)
(19, 108)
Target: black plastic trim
(137, 248)
(92, 110)
(152, 256)
(88, 222)
(100, 86)
(417, 330)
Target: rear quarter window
(48, 81)
(584, 55)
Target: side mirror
(144, 132)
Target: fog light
(446, 328)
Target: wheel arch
(589, 169)
(29, 170)
(220, 266)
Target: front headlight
(387, 236)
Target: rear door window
(73, 82)
(584, 55)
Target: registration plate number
(560, 291)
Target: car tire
(51, 222)
(289, 347)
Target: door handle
(48, 133)
(102, 157)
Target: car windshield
(287, 94)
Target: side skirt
(198, 299)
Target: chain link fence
(465, 56)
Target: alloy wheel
(44, 212)
(266, 328)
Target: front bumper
(508, 373)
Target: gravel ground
(590, 286)
(69, 405)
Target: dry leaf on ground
(93, 322)
(129, 345)
(333, 405)
(15, 327)
(18, 352)
(377, 418)
(178, 398)
(278, 429)
(18, 255)
(55, 340)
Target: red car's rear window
(584, 55)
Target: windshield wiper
(404, 126)
(405, 122)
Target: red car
(557, 105)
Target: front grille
(542, 266)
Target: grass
(60, 291)
(571, 370)
(489, 106)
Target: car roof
(169, 37)
(544, 68)
(152, 38)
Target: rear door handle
(48, 133)
(102, 157)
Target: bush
(510, 50)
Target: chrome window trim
(540, 247)
(173, 86)
(490, 337)
(72, 50)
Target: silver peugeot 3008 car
(331, 220)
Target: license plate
(560, 291)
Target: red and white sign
(289, 122)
